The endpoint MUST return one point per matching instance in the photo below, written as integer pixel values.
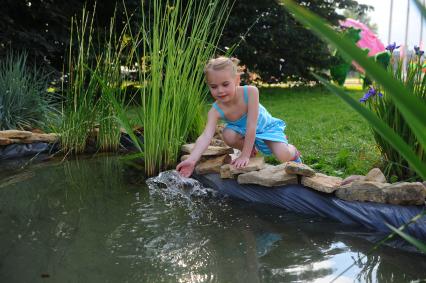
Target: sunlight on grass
(332, 137)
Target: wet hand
(241, 162)
(186, 167)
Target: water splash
(174, 188)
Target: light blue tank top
(268, 127)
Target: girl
(249, 126)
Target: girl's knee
(231, 137)
(282, 151)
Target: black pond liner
(297, 198)
(39, 150)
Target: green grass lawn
(331, 136)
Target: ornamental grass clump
(24, 100)
(94, 76)
(412, 76)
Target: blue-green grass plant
(24, 100)
(411, 107)
(171, 47)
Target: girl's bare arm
(204, 139)
(252, 114)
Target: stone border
(370, 188)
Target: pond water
(95, 220)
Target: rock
(400, 193)
(255, 163)
(15, 134)
(218, 142)
(210, 151)
(363, 191)
(375, 175)
(270, 176)
(185, 157)
(322, 183)
(405, 193)
(49, 138)
(5, 141)
(218, 132)
(225, 172)
(212, 165)
(299, 169)
(348, 180)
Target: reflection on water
(91, 221)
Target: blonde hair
(221, 63)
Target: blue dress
(268, 128)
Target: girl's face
(222, 84)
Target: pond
(95, 220)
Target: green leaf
(418, 244)
(421, 8)
(383, 129)
(411, 107)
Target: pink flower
(368, 38)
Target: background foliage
(276, 47)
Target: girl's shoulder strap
(245, 88)
(222, 115)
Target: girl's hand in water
(240, 162)
(186, 167)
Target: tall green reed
(94, 76)
(171, 48)
(24, 100)
(79, 107)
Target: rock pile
(216, 155)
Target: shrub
(24, 101)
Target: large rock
(299, 169)
(363, 191)
(212, 165)
(406, 193)
(15, 134)
(399, 193)
(322, 183)
(210, 151)
(270, 176)
(375, 175)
